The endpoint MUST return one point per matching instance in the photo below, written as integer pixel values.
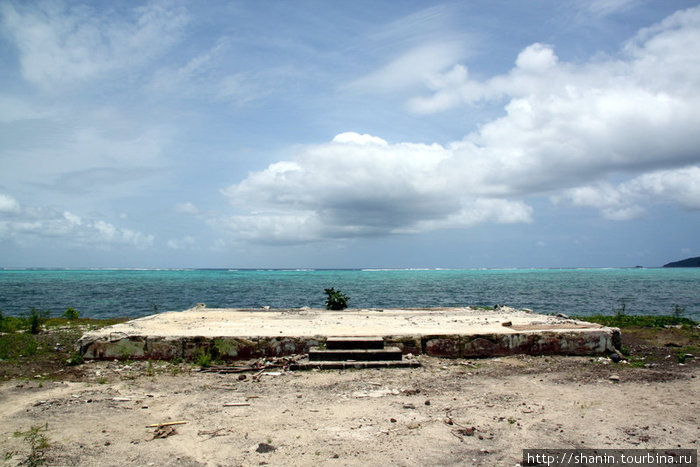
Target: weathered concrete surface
(447, 332)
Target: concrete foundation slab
(235, 334)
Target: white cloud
(657, 64)
(477, 211)
(185, 243)
(680, 186)
(623, 201)
(568, 124)
(208, 76)
(8, 204)
(412, 68)
(62, 45)
(614, 203)
(356, 138)
(607, 7)
(359, 185)
(108, 234)
(415, 47)
(568, 131)
(106, 155)
(186, 208)
(30, 224)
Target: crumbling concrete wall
(583, 342)
(118, 346)
(576, 342)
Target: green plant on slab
(336, 300)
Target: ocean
(107, 293)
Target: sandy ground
(448, 412)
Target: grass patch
(637, 363)
(202, 358)
(17, 345)
(627, 321)
(37, 320)
(49, 350)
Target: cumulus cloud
(31, 223)
(624, 200)
(61, 45)
(570, 124)
(612, 133)
(360, 185)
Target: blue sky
(349, 134)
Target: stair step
(388, 354)
(308, 365)
(343, 343)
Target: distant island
(685, 263)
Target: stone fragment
(265, 448)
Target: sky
(333, 134)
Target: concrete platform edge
(594, 341)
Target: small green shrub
(336, 299)
(202, 358)
(36, 318)
(71, 313)
(38, 443)
(75, 359)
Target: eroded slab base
(229, 334)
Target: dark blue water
(134, 293)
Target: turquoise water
(134, 293)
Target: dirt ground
(447, 412)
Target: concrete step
(309, 365)
(342, 343)
(326, 355)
